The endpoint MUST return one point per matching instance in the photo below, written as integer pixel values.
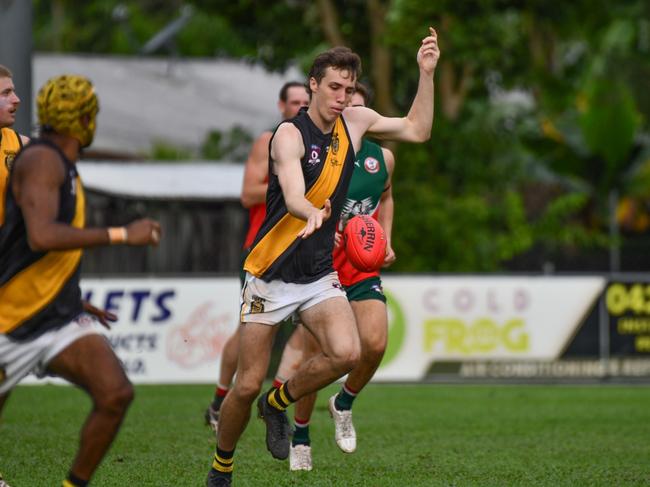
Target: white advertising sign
(174, 330)
(169, 330)
(480, 318)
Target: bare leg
(229, 359)
(304, 407)
(91, 364)
(255, 353)
(372, 322)
(292, 355)
(300, 457)
(227, 370)
(332, 323)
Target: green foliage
(609, 121)
(164, 151)
(552, 107)
(231, 146)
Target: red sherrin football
(365, 243)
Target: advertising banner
(628, 308)
(475, 318)
(173, 330)
(169, 330)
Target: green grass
(431, 435)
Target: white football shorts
(272, 302)
(20, 358)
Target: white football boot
(344, 434)
(300, 458)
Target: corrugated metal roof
(166, 181)
(144, 100)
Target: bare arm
(256, 171)
(416, 126)
(286, 151)
(386, 207)
(36, 181)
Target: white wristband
(117, 235)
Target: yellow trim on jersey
(278, 239)
(36, 286)
(9, 147)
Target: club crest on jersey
(335, 143)
(257, 304)
(9, 159)
(371, 165)
(314, 155)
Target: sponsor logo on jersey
(314, 155)
(371, 165)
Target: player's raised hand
(429, 52)
(316, 220)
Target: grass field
(431, 435)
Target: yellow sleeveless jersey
(277, 252)
(39, 291)
(10, 144)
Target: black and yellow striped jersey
(327, 167)
(10, 144)
(39, 291)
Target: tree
(541, 107)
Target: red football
(365, 243)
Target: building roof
(193, 180)
(146, 100)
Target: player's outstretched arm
(36, 182)
(416, 126)
(256, 171)
(286, 151)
